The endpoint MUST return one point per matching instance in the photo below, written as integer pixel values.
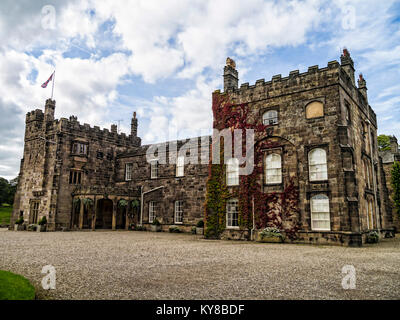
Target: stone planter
(155, 228)
(19, 227)
(270, 239)
(41, 228)
(199, 231)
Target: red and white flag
(44, 85)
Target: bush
(193, 231)
(156, 222)
(174, 230)
(271, 232)
(372, 237)
(43, 221)
(140, 228)
(200, 224)
(20, 220)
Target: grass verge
(15, 287)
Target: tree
(396, 185)
(4, 190)
(383, 142)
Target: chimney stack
(362, 87)
(134, 125)
(348, 65)
(231, 76)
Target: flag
(44, 85)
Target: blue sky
(163, 59)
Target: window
(320, 217)
(232, 213)
(128, 171)
(317, 165)
(367, 174)
(370, 214)
(75, 177)
(153, 169)
(232, 172)
(180, 166)
(34, 212)
(273, 169)
(152, 211)
(270, 117)
(314, 109)
(100, 155)
(178, 211)
(347, 113)
(79, 148)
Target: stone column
(94, 214)
(114, 216)
(81, 214)
(127, 216)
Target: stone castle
(325, 140)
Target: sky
(163, 59)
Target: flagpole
(52, 88)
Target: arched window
(370, 214)
(273, 168)
(317, 164)
(314, 109)
(320, 217)
(270, 117)
(232, 172)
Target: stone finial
(134, 115)
(231, 63)
(114, 128)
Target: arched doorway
(122, 208)
(75, 213)
(104, 214)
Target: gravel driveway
(145, 265)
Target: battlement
(72, 125)
(326, 75)
(34, 115)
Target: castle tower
(348, 65)
(49, 109)
(362, 86)
(231, 76)
(134, 125)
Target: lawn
(5, 214)
(15, 287)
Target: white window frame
(154, 169)
(317, 167)
(128, 171)
(232, 216)
(152, 211)
(232, 172)
(178, 212)
(180, 166)
(318, 212)
(270, 117)
(273, 169)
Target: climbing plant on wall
(274, 210)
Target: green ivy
(396, 185)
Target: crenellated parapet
(279, 85)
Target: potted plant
(42, 224)
(19, 224)
(200, 227)
(271, 234)
(174, 229)
(156, 225)
(193, 230)
(372, 237)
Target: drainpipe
(252, 230)
(141, 201)
(378, 226)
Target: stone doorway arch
(104, 214)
